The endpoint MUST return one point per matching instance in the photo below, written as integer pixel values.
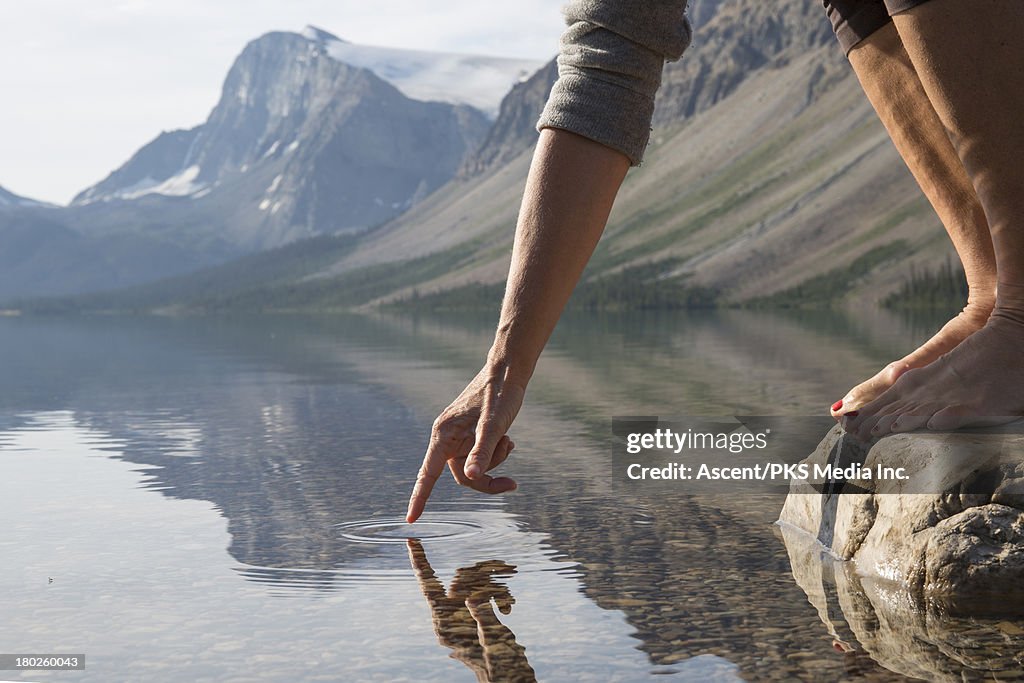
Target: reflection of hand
(470, 436)
(464, 619)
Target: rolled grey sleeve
(609, 68)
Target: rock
(951, 531)
(872, 618)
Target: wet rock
(873, 619)
(951, 529)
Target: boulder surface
(950, 529)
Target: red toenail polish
(836, 406)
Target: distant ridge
(10, 200)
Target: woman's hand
(471, 436)
(569, 192)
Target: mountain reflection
(290, 426)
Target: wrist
(508, 368)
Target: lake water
(219, 500)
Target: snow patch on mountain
(477, 80)
(182, 184)
(273, 148)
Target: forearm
(609, 64)
(569, 194)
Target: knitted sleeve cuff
(609, 68)
(604, 112)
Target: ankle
(1010, 302)
(981, 301)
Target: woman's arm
(569, 194)
(596, 124)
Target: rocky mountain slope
(514, 131)
(302, 142)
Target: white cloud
(86, 84)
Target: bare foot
(969, 321)
(980, 382)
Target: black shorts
(855, 20)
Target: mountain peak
(8, 198)
(318, 35)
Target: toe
(853, 423)
(960, 416)
(860, 424)
(950, 418)
(837, 409)
(864, 431)
(848, 404)
(884, 425)
(909, 423)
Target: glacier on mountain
(477, 80)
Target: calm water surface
(220, 500)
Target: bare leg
(892, 85)
(969, 57)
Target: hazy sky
(85, 84)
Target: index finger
(433, 464)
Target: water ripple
(396, 530)
(454, 540)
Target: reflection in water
(291, 429)
(871, 621)
(74, 510)
(464, 619)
